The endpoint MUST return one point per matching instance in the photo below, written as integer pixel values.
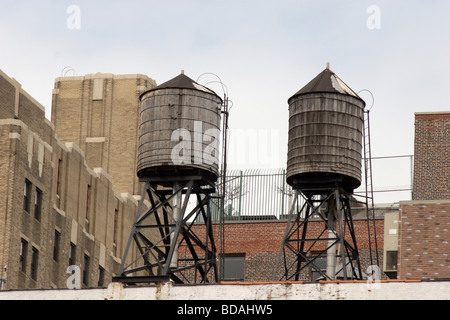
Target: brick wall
(424, 222)
(101, 114)
(424, 238)
(432, 156)
(7, 96)
(29, 149)
(261, 242)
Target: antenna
(373, 98)
(225, 130)
(224, 87)
(67, 69)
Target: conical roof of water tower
(182, 81)
(326, 82)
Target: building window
(86, 269)
(233, 268)
(116, 218)
(37, 204)
(97, 92)
(318, 266)
(56, 243)
(58, 179)
(101, 277)
(26, 195)
(391, 260)
(72, 254)
(34, 263)
(88, 195)
(23, 255)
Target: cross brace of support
(302, 249)
(160, 229)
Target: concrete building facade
(55, 210)
(101, 113)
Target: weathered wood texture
(325, 140)
(193, 113)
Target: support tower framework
(169, 214)
(302, 249)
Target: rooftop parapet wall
(16, 103)
(351, 290)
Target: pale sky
(263, 51)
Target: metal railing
(254, 194)
(263, 194)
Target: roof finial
(182, 71)
(328, 66)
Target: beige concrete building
(57, 202)
(101, 113)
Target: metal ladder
(370, 210)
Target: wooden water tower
(323, 167)
(178, 159)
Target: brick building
(252, 247)
(261, 246)
(56, 210)
(432, 156)
(423, 246)
(424, 237)
(100, 113)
